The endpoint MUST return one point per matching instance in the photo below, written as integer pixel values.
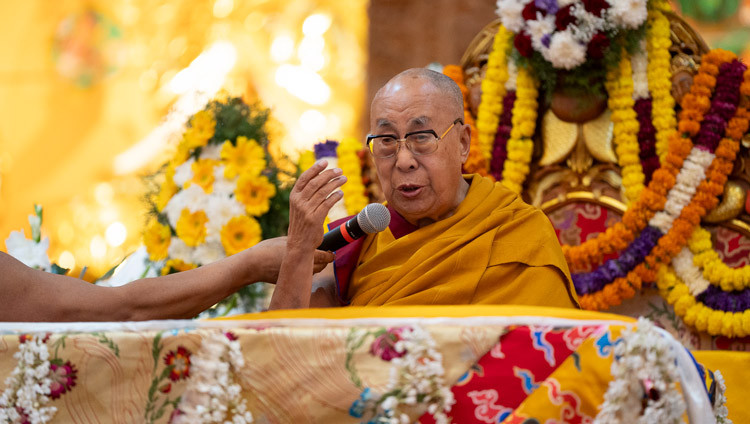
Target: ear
(465, 142)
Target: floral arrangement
(37, 379)
(673, 172)
(476, 162)
(28, 387)
(212, 394)
(720, 401)
(705, 292)
(32, 252)
(694, 187)
(567, 34)
(643, 363)
(223, 192)
(416, 376)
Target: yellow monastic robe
(495, 249)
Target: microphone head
(374, 218)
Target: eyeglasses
(421, 142)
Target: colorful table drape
(500, 364)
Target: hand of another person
(309, 202)
(273, 251)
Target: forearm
(294, 286)
(186, 294)
(32, 295)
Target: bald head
(442, 83)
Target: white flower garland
(690, 176)
(416, 379)
(720, 402)
(690, 274)
(639, 63)
(28, 386)
(212, 392)
(643, 365)
(510, 83)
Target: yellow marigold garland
(521, 145)
(653, 197)
(698, 315)
(714, 269)
(493, 91)
(354, 190)
(660, 78)
(476, 162)
(620, 88)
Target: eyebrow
(419, 121)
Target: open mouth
(409, 190)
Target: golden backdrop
(93, 93)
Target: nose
(405, 159)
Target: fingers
(324, 257)
(308, 175)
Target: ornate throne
(574, 176)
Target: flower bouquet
(223, 192)
(560, 36)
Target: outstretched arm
(309, 202)
(33, 295)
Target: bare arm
(32, 295)
(310, 200)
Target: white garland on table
(212, 392)
(28, 387)
(416, 377)
(720, 402)
(693, 172)
(642, 358)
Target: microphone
(372, 219)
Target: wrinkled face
(422, 188)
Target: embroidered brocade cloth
(502, 363)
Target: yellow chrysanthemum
(191, 227)
(247, 157)
(240, 233)
(177, 265)
(202, 126)
(167, 189)
(157, 238)
(203, 174)
(255, 192)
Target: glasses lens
(384, 147)
(422, 143)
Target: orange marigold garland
(475, 163)
(706, 198)
(694, 105)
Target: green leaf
(156, 349)
(57, 269)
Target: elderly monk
(453, 238)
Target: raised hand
(309, 202)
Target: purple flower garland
(724, 104)
(635, 253)
(500, 147)
(719, 300)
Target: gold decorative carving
(732, 203)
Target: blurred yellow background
(92, 94)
